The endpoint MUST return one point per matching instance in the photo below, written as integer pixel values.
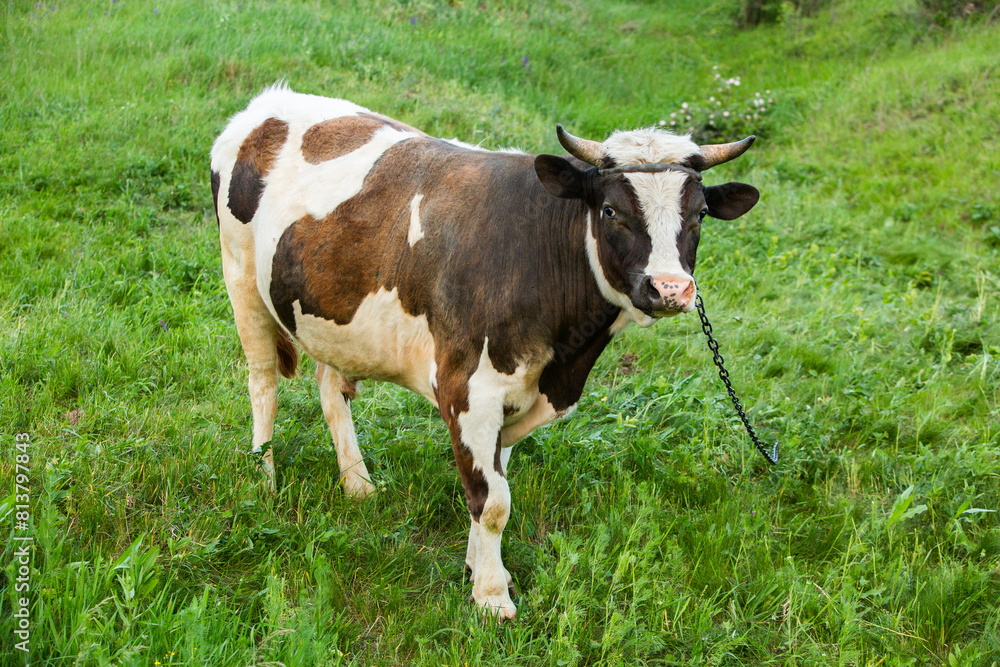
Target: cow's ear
(730, 200)
(560, 177)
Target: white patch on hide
(542, 412)
(381, 341)
(296, 188)
(650, 145)
(416, 231)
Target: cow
(488, 282)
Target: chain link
(720, 362)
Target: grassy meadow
(858, 307)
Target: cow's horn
(591, 152)
(719, 153)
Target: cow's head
(646, 203)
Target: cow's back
(281, 168)
(371, 243)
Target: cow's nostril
(651, 291)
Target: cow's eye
(704, 212)
(610, 213)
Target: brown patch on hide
(253, 162)
(335, 137)
(308, 266)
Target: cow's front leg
(488, 496)
(470, 552)
(470, 556)
(473, 410)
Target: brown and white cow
(488, 282)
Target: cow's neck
(582, 316)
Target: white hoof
(356, 486)
(499, 607)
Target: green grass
(857, 307)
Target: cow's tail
(288, 354)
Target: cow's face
(643, 228)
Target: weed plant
(724, 114)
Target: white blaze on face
(659, 194)
(660, 198)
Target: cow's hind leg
(334, 392)
(268, 349)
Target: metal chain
(713, 345)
